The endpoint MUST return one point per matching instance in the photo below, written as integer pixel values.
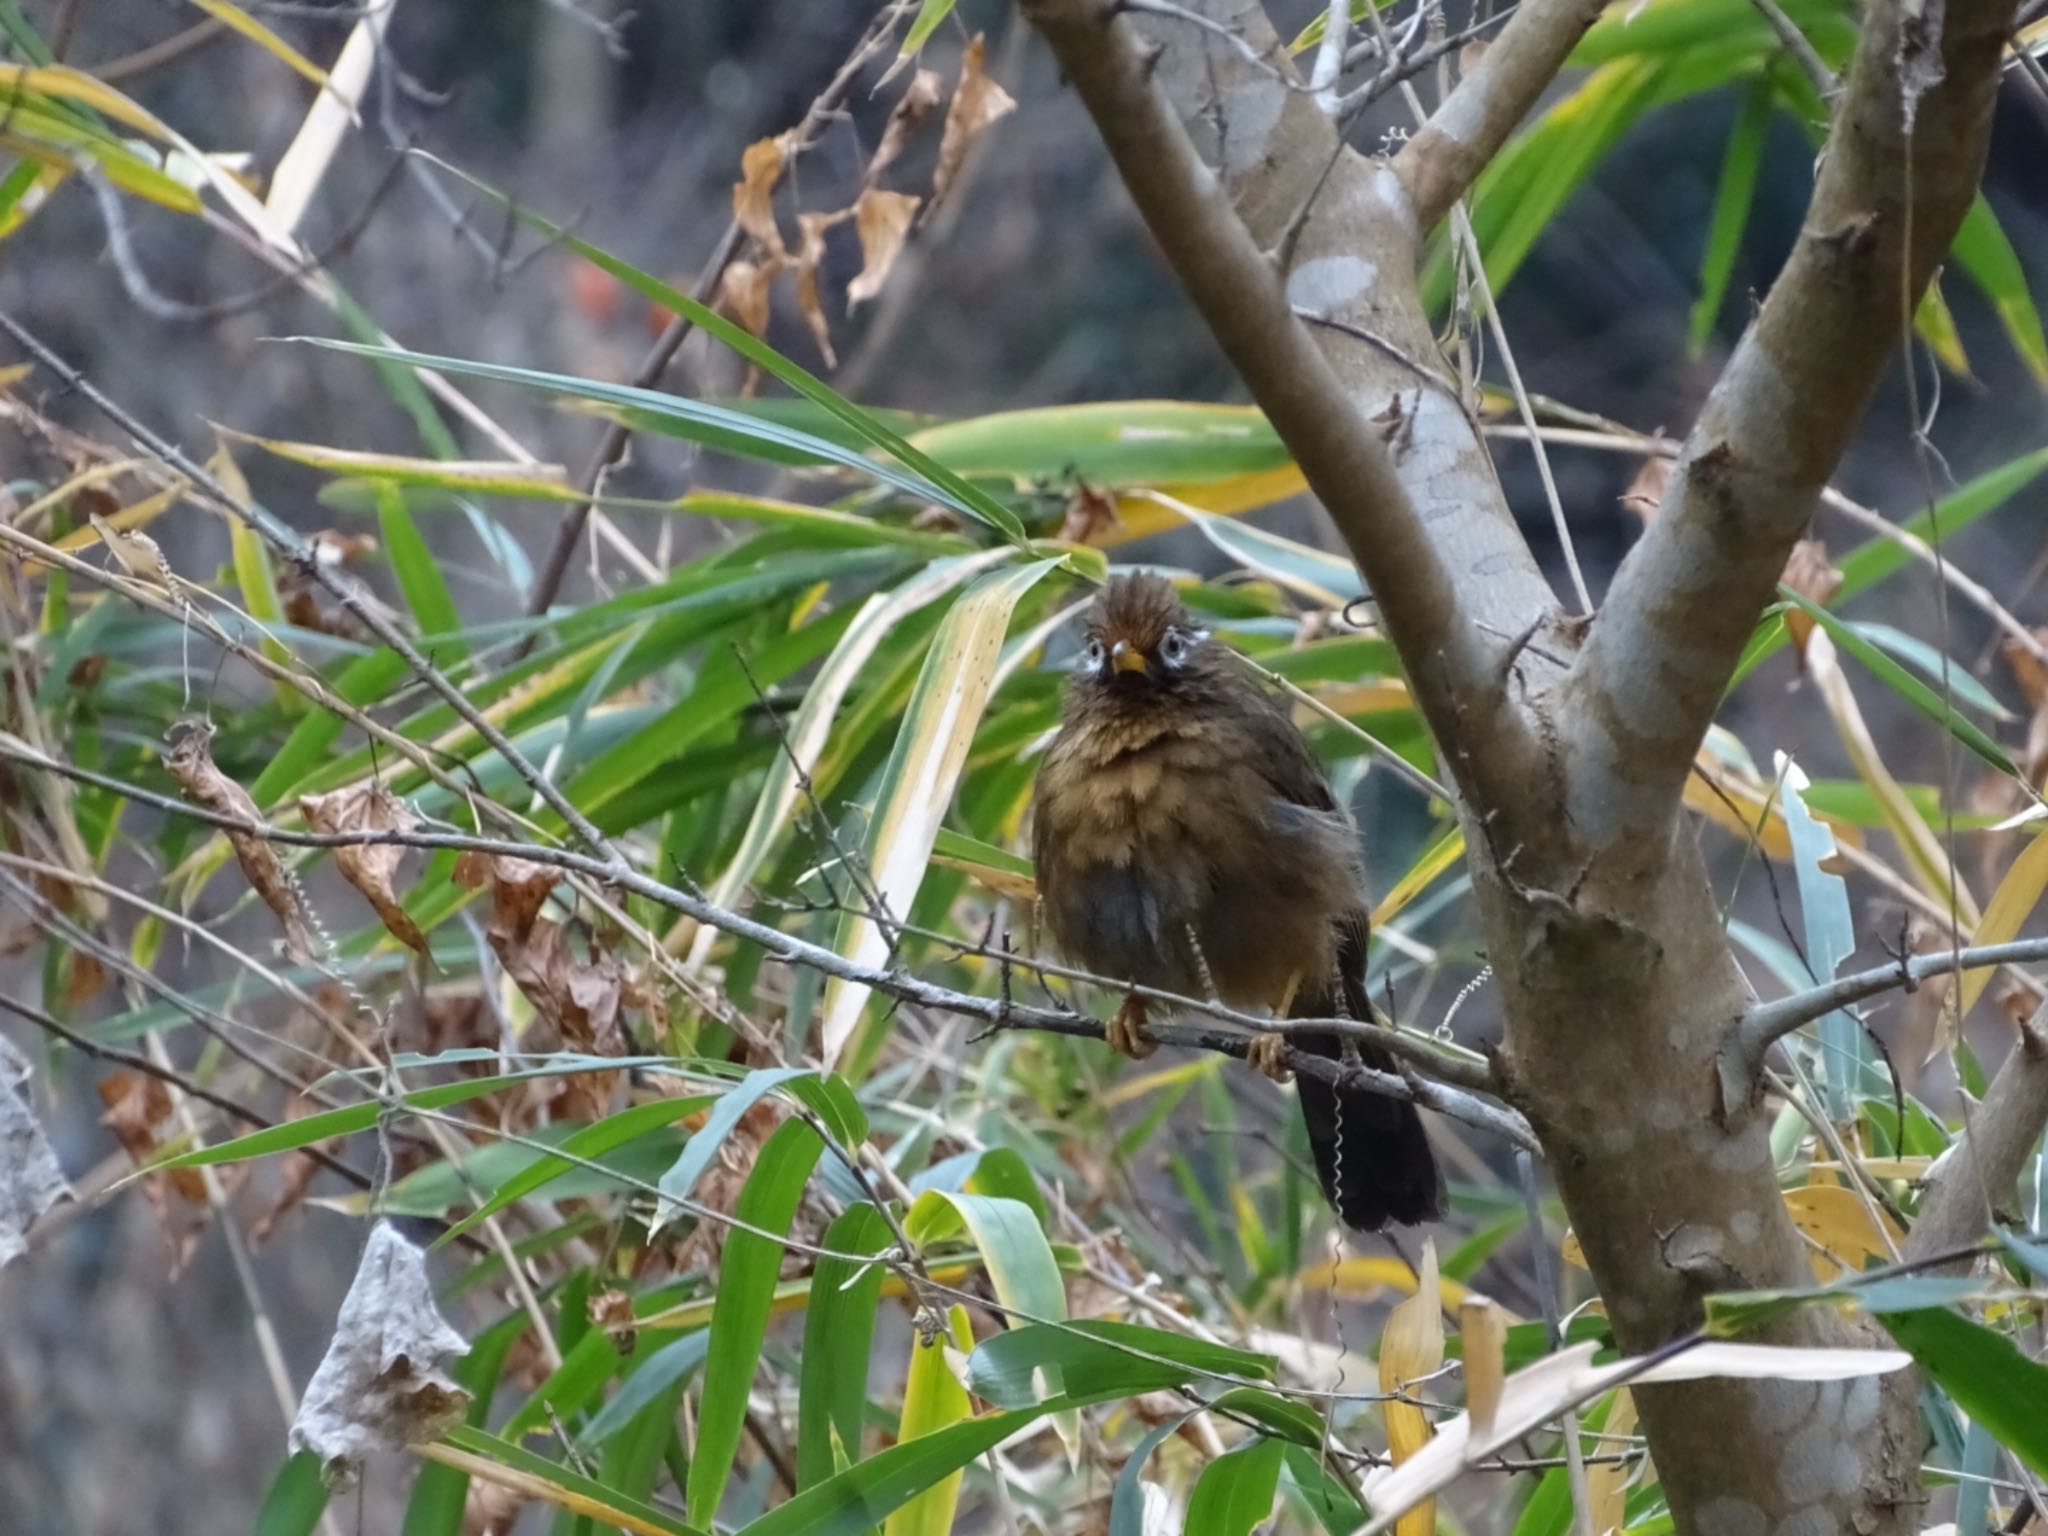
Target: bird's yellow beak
(1123, 658)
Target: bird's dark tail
(1372, 1155)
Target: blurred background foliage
(801, 661)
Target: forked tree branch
(1239, 290)
(1440, 163)
(2001, 1133)
(1903, 161)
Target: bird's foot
(1125, 1031)
(1265, 1052)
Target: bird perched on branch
(1186, 841)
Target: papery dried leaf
(2028, 670)
(882, 220)
(369, 867)
(1645, 493)
(977, 102)
(1412, 1347)
(136, 1105)
(190, 762)
(383, 1384)
(1607, 1482)
(136, 552)
(579, 998)
(1090, 514)
(753, 195)
(31, 1181)
(743, 293)
(925, 91)
(810, 254)
(1809, 573)
(1483, 1330)
(490, 1510)
(612, 1311)
(84, 975)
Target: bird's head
(1141, 638)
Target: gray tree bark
(1569, 754)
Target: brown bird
(1186, 841)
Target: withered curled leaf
(383, 1384)
(743, 293)
(882, 220)
(977, 102)
(369, 867)
(190, 762)
(925, 91)
(30, 1179)
(1809, 573)
(753, 195)
(810, 253)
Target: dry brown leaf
(810, 253)
(1091, 513)
(580, 998)
(977, 102)
(31, 1181)
(190, 762)
(753, 195)
(383, 1384)
(84, 975)
(2028, 670)
(743, 293)
(489, 1510)
(1808, 572)
(612, 1311)
(925, 91)
(136, 1105)
(369, 867)
(882, 220)
(1483, 1328)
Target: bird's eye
(1173, 649)
(1092, 657)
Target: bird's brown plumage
(1186, 840)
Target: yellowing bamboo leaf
(931, 748)
(1839, 1221)
(129, 518)
(18, 80)
(810, 731)
(1366, 1277)
(1381, 696)
(809, 302)
(1440, 856)
(481, 477)
(933, 1398)
(882, 220)
(2011, 905)
(304, 163)
(1607, 1481)
(1925, 856)
(1130, 1088)
(241, 21)
(1412, 1347)
(1483, 1335)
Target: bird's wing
(1282, 757)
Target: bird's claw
(1125, 1031)
(1265, 1052)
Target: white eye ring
(1093, 656)
(1173, 648)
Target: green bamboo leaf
(589, 1143)
(917, 784)
(963, 496)
(1103, 1359)
(296, 1500)
(360, 1117)
(1110, 444)
(839, 1331)
(567, 1489)
(419, 578)
(864, 1494)
(678, 1183)
(1983, 250)
(1989, 1379)
(1904, 684)
(364, 680)
(746, 1293)
(811, 730)
(1235, 1491)
(929, 15)
(933, 1401)
(1732, 198)
(666, 1370)
(1127, 1496)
